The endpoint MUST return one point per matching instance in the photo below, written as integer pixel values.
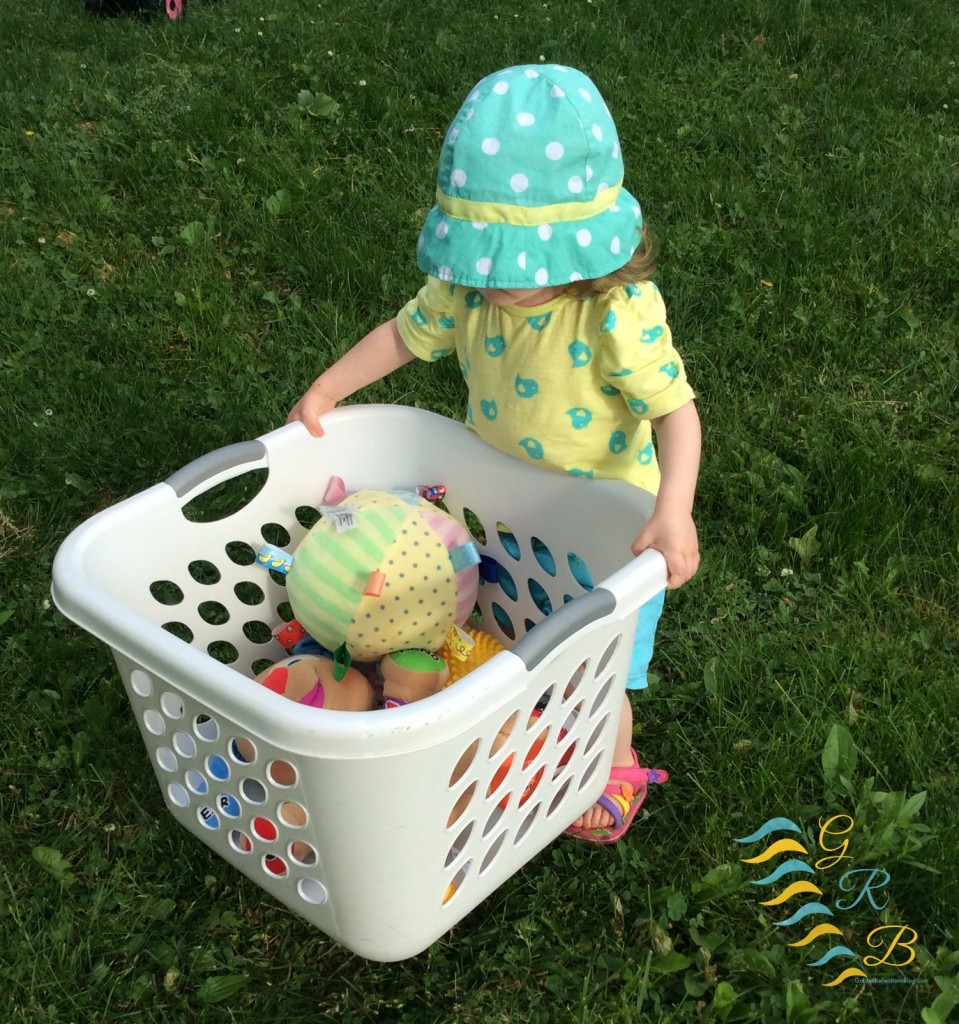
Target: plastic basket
(381, 828)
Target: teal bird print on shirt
(638, 406)
(418, 317)
(651, 334)
(495, 346)
(617, 442)
(526, 387)
(489, 409)
(580, 353)
(539, 321)
(608, 389)
(633, 290)
(473, 300)
(579, 417)
(532, 447)
(447, 323)
(609, 322)
(671, 369)
(645, 456)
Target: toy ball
(317, 682)
(483, 648)
(383, 571)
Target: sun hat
(529, 189)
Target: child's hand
(310, 408)
(675, 536)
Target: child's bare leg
(597, 816)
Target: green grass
(196, 218)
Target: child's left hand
(675, 536)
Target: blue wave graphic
(805, 911)
(832, 954)
(784, 869)
(773, 825)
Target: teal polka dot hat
(529, 190)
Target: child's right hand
(310, 408)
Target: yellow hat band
(526, 216)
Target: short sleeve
(426, 323)
(637, 356)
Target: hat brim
(499, 255)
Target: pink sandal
(624, 795)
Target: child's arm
(374, 356)
(671, 529)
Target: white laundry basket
(382, 828)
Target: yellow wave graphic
(793, 890)
(780, 846)
(849, 972)
(815, 933)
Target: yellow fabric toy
(483, 648)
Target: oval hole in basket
(474, 525)
(229, 805)
(208, 817)
(240, 841)
(141, 683)
(543, 555)
(508, 539)
(213, 613)
(257, 632)
(540, 597)
(505, 730)
(166, 759)
(224, 651)
(225, 499)
(492, 853)
(459, 843)
(307, 516)
(580, 571)
(462, 803)
(249, 593)
(608, 654)
(185, 745)
(253, 791)
(153, 720)
(275, 866)
(171, 704)
(243, 750)
(492, 820)
(204, 572)
(600, 697)
(166, 592)
(302, 853)
(217, 768)
(177, 795)
(180, 630)
(526, 825)
(589, 773)
(273, 533)
(506, 583)
(282, 773)
(261, 665)
(575, 680)
(240, 553)
(465, 760)
(292, 814)
(595, 735)
(311, 891)
(503, 620)
(558, 798)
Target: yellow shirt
(571, 384)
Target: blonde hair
(641, 267)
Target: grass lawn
(195, 218)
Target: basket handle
(213, 468)
(562, 624)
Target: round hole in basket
(311, 891)
(242, 750)
(166, 759)
(492, 853)
(166, 592)
(184, 744)
(240, 841)
(580, 571)
(153, 721)
(253, 791)
(302, 853)
(261, 665)
(307, 516)
(223, 650)
(206, 728)
(543, 555)
(249, 593)
(217, 768)
(171, 704)
(213, 613)
(177, 795)
(141, 683)
(292, 814)
(204, 572)
(275, 534)
(275, 866)
(180, 630)
(240, 553)
(264, 829)
(229, 805)
(196, 782)
(208, 817)
(282, 773)
(540, 597)
(257, 632)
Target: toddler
(539, 282)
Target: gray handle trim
(562, 624)
(198, 472)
